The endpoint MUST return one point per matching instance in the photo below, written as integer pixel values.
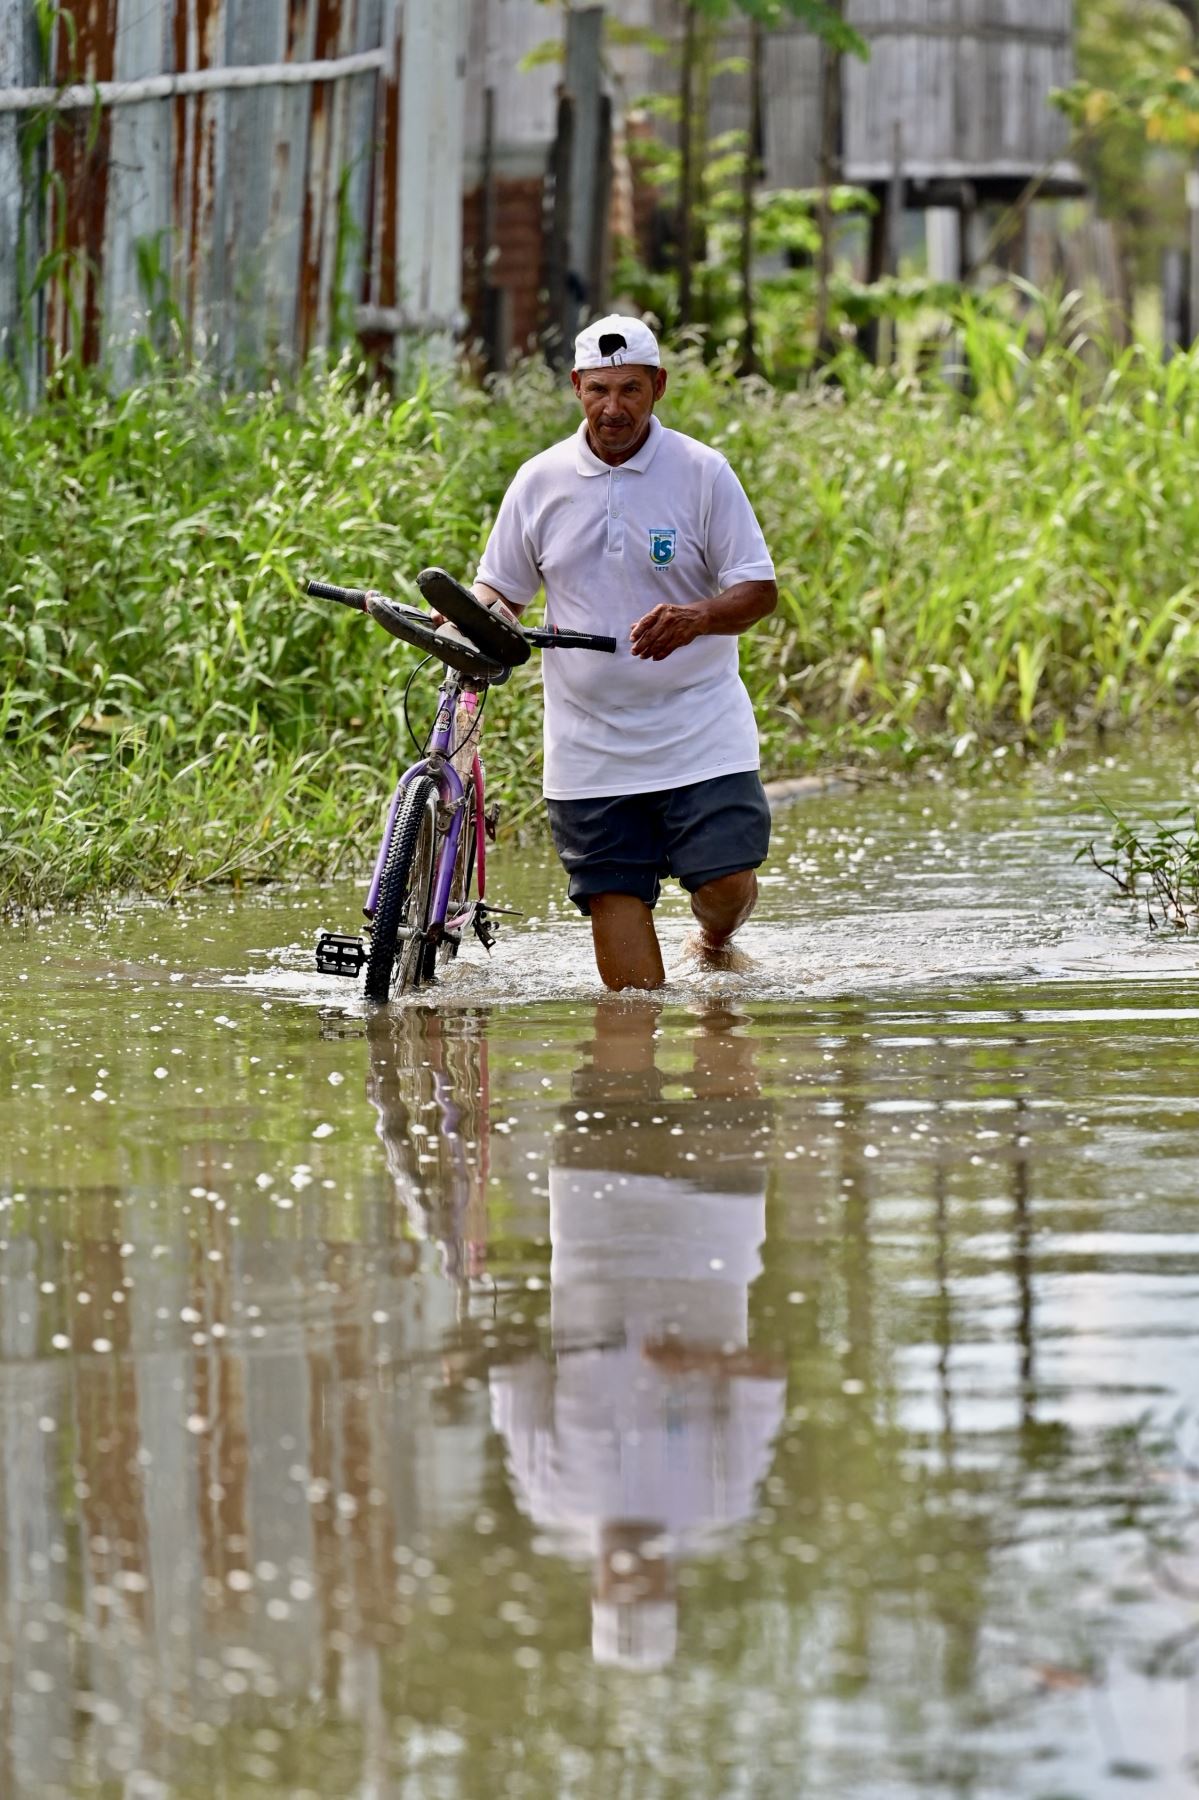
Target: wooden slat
(791, 111)
(967, 79)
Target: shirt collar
(588, 463)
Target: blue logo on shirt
(662, 546)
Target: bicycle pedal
(486, 929)
(339, 954)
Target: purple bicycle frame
(452, 793)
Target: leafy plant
(1134, 106)
(1011, 564)
(1160, 869)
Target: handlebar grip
(550, 638)
(324, 590)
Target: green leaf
(549, 50)
(827, 21)
(644, 36)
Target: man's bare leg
(720, 907)
(627, 952)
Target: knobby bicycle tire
(405, 894)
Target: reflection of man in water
(647, 1437)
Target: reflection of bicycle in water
(643, 1437)
(431, 1092)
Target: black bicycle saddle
(494, 634)
(411, 626)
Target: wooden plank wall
(264, 216)
(968, 80)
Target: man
(651, 756)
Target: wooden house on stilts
(949, 118)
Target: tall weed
(954, 571)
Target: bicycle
(433, 851)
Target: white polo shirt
(609, 544)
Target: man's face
(617, 404)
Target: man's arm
(668, 627)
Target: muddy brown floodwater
(784, 1386)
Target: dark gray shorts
(626, 843)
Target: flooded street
(783, 1386)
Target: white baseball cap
(609, 342)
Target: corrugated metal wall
(261, 218)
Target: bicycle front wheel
(400, 955)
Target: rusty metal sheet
(214, 276)
(374, 23)
(386, 207)
(137, 249)
(262, 215)
(431, 163)
(341, 28)
(15, 71)
(289, 157)
(362, 112)
(198, 155)
(80, 158)
(256, 35)
(327, 25)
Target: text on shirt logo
(662, 545)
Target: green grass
(954, 574)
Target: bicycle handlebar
(324, 590)
(548, 637)
(542, 637)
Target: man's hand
(665, 629)
(728, 613)
(497, 606)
